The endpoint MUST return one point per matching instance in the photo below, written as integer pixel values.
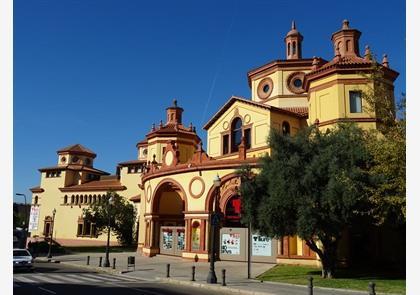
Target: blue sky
(101, 72)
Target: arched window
(294, 47)
(285, 128)
(288, 48)
(65, 199)
(90, 199)
(347, 45)
(72, 199)
(94, 198)
(236, 134)
(36, 200)
(86, 198)
(77, 199)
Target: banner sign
(261, 245)
(231, 244)
(33, 218)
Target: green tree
(387, 145)
(123, 217)
(312, 185)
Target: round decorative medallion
(265, 87)
(196, 187)
(169, 157)
(295, 82)
(63, 159)
(225, 125)
(247, 118)
(149, 193)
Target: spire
(346, 41)
(293, 42)
(345, 25)
(368, 54)
(174, 113)
(385, 61)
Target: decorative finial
(191, 126)
(193, 129)
(175, 103)
(368, 54)
(385, 61)
(345, 25)
(160, 124)
(153, 127)
(293, 25)
(315, 63)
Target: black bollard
(88, 260)
(100, 261)
(223, 277)
(193, 274)
(310, 285)
(168, 267)
(372, 288)
(113, 262)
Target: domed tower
(293, 42)
(346, 41)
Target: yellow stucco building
(171, 181)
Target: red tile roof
(113, 184)
(77, 149)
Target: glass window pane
(355, 102)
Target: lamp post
(51, 234)
(25, 225)
(110, 202)
(214, 222)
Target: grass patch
(101, 249)
(386, 282)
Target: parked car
(22, 259)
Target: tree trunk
(328, 256)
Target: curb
(215, 287)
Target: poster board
(261, 245)
(33, 219)
(231, 244)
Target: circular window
(145, 152)
(265, 87)
(87, 161)
(63, 159)
(295, 82)
(75, 159)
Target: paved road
(54, 278)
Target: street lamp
(110, 202)
(25, 229)
(51, 234)
(214, 222)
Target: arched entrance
(168, 217)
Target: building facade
(171, 181)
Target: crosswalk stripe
(115, 278)
(23, 279)
(82, 277)
(45, 278)
(65, 278)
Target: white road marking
(68, 279)
(81, 277)
(46, 290)
(23, 279)
(114, 278)
(45, 278)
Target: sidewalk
(154, 269)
